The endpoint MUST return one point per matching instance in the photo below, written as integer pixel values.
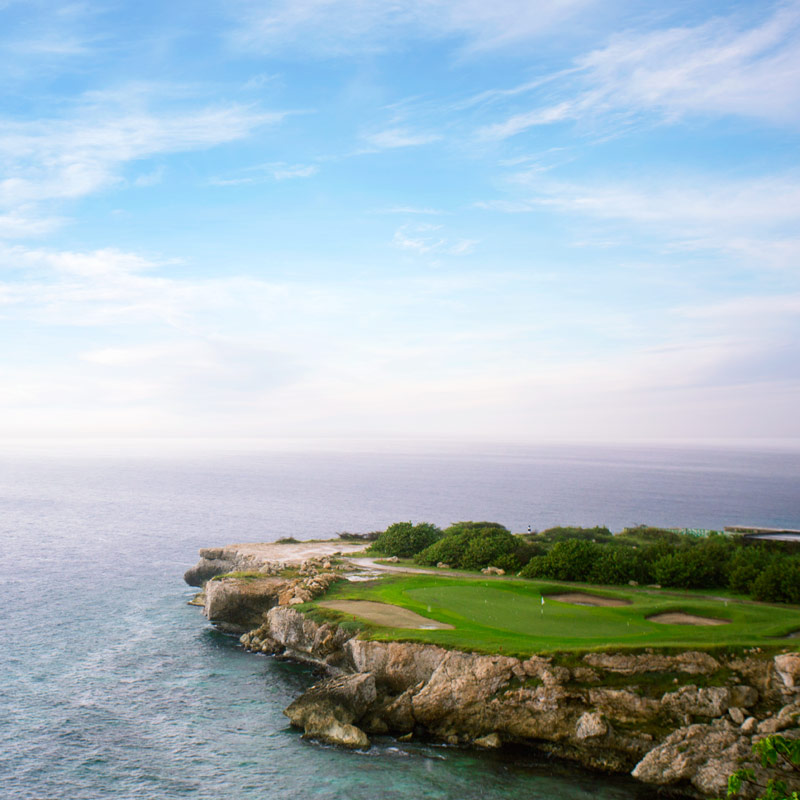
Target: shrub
(471, 545)
(404, 539)
(618, 565)
(779, 582)
(560, 533)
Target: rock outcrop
(684, 737)
(681, 721)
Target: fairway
(510, 617)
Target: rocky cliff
(681, 721)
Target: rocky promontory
(680, 721)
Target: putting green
(526, 614)
(508, 616)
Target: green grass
(508, 616)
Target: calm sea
(112, 687)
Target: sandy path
(296, 553)
(385, 614)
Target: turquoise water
(114, 688)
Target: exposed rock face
(487, 700)
(237, 605)
(650, 713)
(691, 662)
(327, 711)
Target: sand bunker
(679, 618)
(385, 614)
(582, 599)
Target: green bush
(472, 545)
(779, 582)
(405, 540)
(618, 565)
(561, 533)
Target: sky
(514, 221)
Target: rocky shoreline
(679, 721)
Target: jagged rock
(786, 718)
(543, 669)
(206, 569)
(736, 715)
(712, 701)
(328, 710)
(749, 726)
(703, 755)
(396, 665)
(691, 662)
(237, 604)
(458, 690)
(787, 667)
(623, 705)
(489, 742)
(585, 675)
(590, 725)
(743, 696)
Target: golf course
(519, 617)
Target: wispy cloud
(347, 27)
(719, 67)
(400, 137)
(756, 219)
(426, 239)
(71, 156)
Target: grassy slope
(508, 616)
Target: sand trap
(679, 618)
(385, 614)
(582, 599)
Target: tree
(772, 750)
(405, 540)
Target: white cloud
(755, 219)
(424, 239)
(69, 157)
(283, 172)
(400, 137)
(719, 67)
(346, 27)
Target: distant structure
(774, 534)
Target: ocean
(112, 687)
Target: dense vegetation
(768, 571)
(404, 539)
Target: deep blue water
(112, 687)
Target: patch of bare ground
(680, 618)
(583, 599)
(385, 614)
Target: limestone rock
(206, 569)
(239, 605)
(704, 755)
(743, 696)
(328, 710)
(749, 726)
(736, 715)
(459, 688)
(712, 701)
(690, 662)
(396, 665)
(787, 717)
(491, 741)
(623, 705)
(590, 725)
(787, 667)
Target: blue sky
(410, 218)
